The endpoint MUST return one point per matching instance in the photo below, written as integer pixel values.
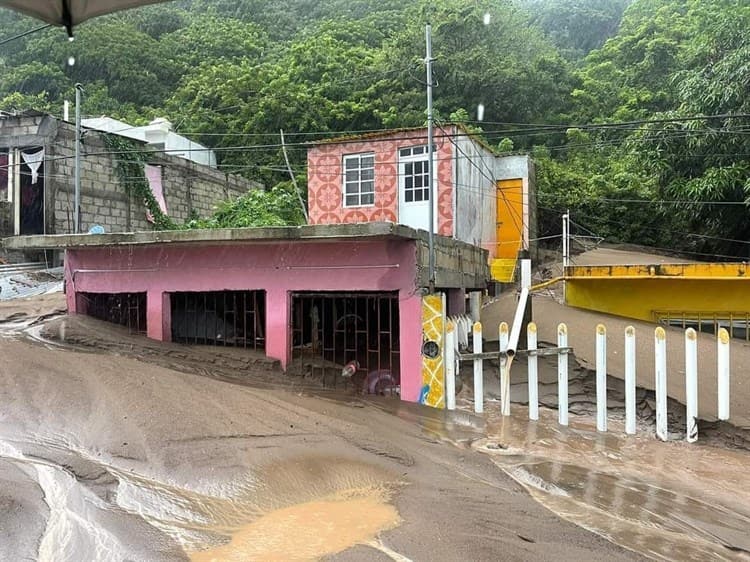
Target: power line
(24, 34)
(673, 202)
(623, 123)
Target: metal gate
(225, 318)
(330, 330)
(125, 309)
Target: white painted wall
(157, 132)
(477, 171)
(476, 205)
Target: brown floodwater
(301, 508)
(664, 500)
(668, 501)
(308, 531)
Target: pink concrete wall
(275, 267)
(325, 179)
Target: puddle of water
(309, 531)
(664, 500)
(298, 508)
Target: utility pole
(431, 160)
(565, 249)
(77, 206)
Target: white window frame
(359, 181)
(413, 155)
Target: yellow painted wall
(685, 270)
(641, 291)
(433, 369)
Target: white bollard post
(562, 375)
(450, 366)
(660, 368)
(722, 341)
(478, 370)
(691, 384)
(502, 333)
(601, 378)
(533, 376)
(630, 380)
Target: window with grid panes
(416, 174)
(359, 180)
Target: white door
(414, 188)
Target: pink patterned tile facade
(325, 178)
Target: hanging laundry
(34, 161)
(153, 175)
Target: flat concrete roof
(219, 235)
(458, 264)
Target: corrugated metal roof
(27, 280)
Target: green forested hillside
(609, 95)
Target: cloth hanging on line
(153, 175)
(34, 161)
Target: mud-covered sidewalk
(136, 450)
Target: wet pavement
(669, 501)
(117, 454)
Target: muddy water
(81, 503)
(664, 500)
(302, 509)
(310, 530)
(668, 501)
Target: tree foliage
(550, 74)
(276, 207)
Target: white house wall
(476, 198)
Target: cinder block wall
(189, 188)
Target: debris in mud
(24, 281)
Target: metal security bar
(736, 323)
(330, 330)
(125, 309)
(223, 318)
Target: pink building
(481, 198)
(312, 297)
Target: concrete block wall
(23, 130)
(104, 200)
(188, 187)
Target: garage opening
(125, 309)
(224, 318)
(333, 330)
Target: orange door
(509, 218)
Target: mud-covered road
(114, 447)
(105, 456)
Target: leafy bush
(276, 207)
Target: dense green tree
(577, 27)
(232, 73)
